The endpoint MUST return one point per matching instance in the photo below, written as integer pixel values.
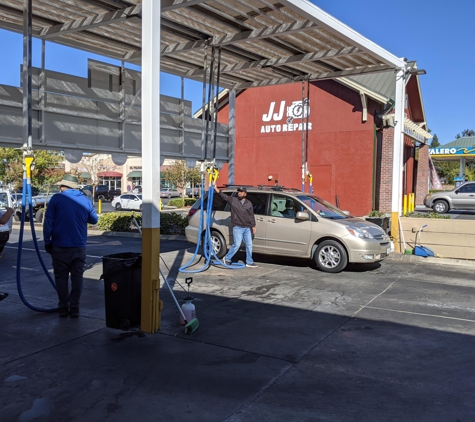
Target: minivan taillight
(192, 212)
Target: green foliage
(450, 169)
(178, 202)
(435, 142)
(118, 221)
(377, 214)
(170, 222)
(189, 202)
(48, 169)
(465, 133)
(179, 175)
(426, 215)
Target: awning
(137, 174)
(414, 131)
(109, 174)
(85, 175)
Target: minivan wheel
(440, 207)
(39, 216)
(331, 257)
(219, 244)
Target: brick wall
(386, 176)
(422, 184)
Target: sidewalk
(283, 342)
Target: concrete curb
(432, 260)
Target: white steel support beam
(151, 305)
(398, 156)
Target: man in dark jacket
(243, 222)
(65, 236)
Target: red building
(340, 127)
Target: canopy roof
(263, 42)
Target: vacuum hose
(208, 251)
(26, 190)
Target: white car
(128, 201)
(169, 193)
(5, 229)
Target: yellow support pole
(99, 206)
(404, 208)
(151, 303)
(413, 201)
(395, 231)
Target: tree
(47, 171)
(465, 133)
(435, 142)
(179, 175)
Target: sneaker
(227, 262)
(74, 312)
(63, 312)
(251, 265)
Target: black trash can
(122, 275)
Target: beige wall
(447, 238)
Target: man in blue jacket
(65, 236)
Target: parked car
(137, 189)
(127, 201)
(103, 192)
(296, 224)
(169, 193)
(38, 205)
(5, 229)
(460, 198)
(190, 192)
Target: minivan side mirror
(302, 215)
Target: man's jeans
(240, 233)
(68, 261)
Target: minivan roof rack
(269, 187)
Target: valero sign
(286, 118)
(458, 151)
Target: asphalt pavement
(282, 342)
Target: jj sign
(297, 110)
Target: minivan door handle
(260, 219)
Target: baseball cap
(241, 189)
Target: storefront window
(112, 182)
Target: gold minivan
(295, 224)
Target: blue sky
(438, 34)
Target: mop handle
(173, 296)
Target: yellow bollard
(99, 206)
(161, 204)
(405, 205)
(413, 201)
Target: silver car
(296, 224)
(169, 193)
(460, 198)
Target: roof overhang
(262, 42)
(415, 132)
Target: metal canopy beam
(251, 31)
(314, 77)
(282, 61)
(245, 36)
(91, 22)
